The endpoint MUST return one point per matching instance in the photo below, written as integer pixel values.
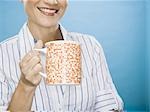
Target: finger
(30, 54)
(27, 57)
(30, 65)
(37, 76)
(37, 68)
(31, 75)
(34, 73)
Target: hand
(30, 67)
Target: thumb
(39, 44)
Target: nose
(53, 1)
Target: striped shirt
(96, 93)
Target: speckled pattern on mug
(63, 63)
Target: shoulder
(86, 39)
(6, 50)
(81, 37)
(10, 40)
(6, 46)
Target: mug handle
(43, 50)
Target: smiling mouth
(48, 11)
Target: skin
(43, 24)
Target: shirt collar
(25, 33)
(63, 32)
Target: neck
(45, 34)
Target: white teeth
(48, 10)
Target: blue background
(148, 45)
(121, 26)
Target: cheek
(29, 1)
(64, 3)
(29, 7)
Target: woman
(23, 89)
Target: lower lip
(47, 14)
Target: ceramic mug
(62, 62)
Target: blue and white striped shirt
(96, 93)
